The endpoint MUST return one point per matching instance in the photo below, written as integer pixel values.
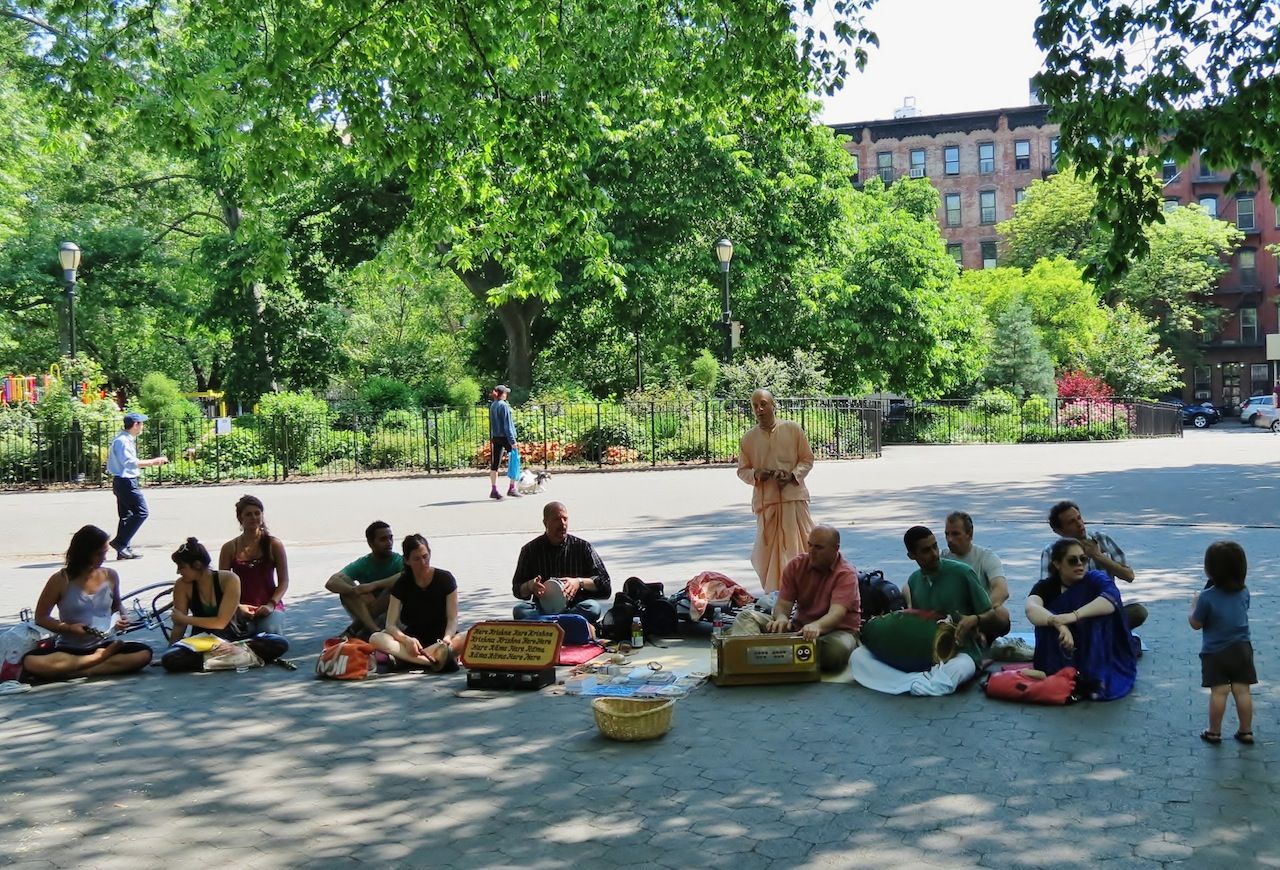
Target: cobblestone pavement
(276, 769)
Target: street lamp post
(724, 253)
(69, 257)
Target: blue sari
(1106, 652)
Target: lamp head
(69, 257)
(724, 253)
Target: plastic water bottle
(717, 635)
(637, 633)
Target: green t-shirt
(954, 590)
(368, 570)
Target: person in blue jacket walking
(502, 439)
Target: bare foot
(99, 656)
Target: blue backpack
(577, 631)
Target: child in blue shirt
(1226, 655)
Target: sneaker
(495, 495)
(127, 554)
(511, 493)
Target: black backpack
(658, 616)
(877, 595)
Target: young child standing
(1226, 655)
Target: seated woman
(87, 595)
(425, 602)
(204, 600)
(1080, 622)
(258, 559)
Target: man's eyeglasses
(1077, 560)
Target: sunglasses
(1076, 560)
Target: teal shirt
(367, 570)
(954, 590)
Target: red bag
(1031, 687)
(344, 659)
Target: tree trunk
(517, 316)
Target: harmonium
(758, 659)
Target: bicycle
(151, 615)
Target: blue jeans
(272, 623)
(131, 507)
(591, 608)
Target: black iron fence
(432, 441)
(1035, 420)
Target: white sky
(951, 55)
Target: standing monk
(774, 458)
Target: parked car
(1255, 405)
(1201, 416)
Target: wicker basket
(633, 718)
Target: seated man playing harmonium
(818, 598)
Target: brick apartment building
(981, 162)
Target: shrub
(288, 421)
(596, 440)
(382, 394)
(705, 372)
(995, 402)
(1078, 385)
(463, 393)
(239, 448)
(1035, 410)
(162, 399)
(401, 421)
(389, 448)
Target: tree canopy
(1135, 84)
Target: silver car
(1255, 405)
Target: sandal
(1212, 737)
(1245, 737)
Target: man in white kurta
(774, 458)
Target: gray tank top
(78, 606)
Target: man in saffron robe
(774, 458)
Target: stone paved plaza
(276, 769)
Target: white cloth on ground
(941, 679)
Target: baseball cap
(133, 418)
(502, 388)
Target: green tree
(1054, 219)
(504, 190)
(1019, 362)
(1128, 356)
(1063, 306)
(1135, 84)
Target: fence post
(706, 431)
(599, 434)
(653, 437)
(546, 448)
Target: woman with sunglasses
(1079, 620)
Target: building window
(917, 163)
(951, 160)
(857, 169)
(1205, 170)
(1022, 154)
(1248, 259)
(1171, 203)
(956, 252)
(1170, 171)
(1260, 377)
(952, 201)
(1053, 152)
(987, 206)
(988, 255)
(1019, 194)
(1210, 205)
(986, 158)
(1202, 377)
(884, 166)
(1244, 213)
(1248, 326)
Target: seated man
(818, 598)
(1104, 553)
(986, 564)
(364, 586)
(944, 586)
(571, 561)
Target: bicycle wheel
(149, 611)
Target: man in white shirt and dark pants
(123, 465)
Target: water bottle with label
(637, 633)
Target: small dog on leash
(532, 483)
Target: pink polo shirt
(814, 592)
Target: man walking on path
(123, 465)
(774, 458)
(502, 438)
